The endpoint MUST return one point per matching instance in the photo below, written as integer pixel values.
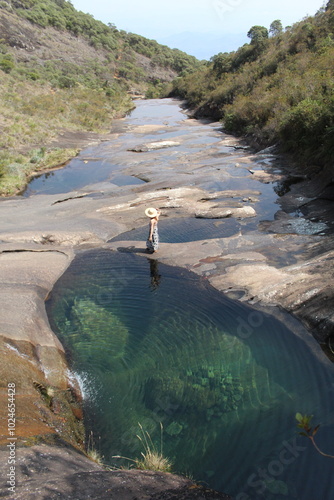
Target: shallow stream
(156, 344)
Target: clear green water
(152, 344)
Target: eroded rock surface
(151, 146)
(32, 357)
(278, 256)
(53, 472)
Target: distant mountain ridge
(204, 45)
(35, 31)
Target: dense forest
(62, 69)
(277, 89)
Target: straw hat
(151, 212)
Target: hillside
(62, 70)
(276, 90)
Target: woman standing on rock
(152, 243)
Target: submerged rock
(174, 429)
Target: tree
(330, 5)
(276, 28)
(258, 34)
(112, 26)
(221, 63)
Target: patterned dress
(154, 244)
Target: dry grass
(17, 169)
(92, 452)
(32, 114)
(151, 458)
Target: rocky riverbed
(280, 254)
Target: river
(152, 343)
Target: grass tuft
(153, 460)
(92, 452)
(151, 457)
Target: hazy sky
(158, 20)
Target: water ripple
(224, 379)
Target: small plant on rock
(152, 459)
(92, 452)
(304, 422)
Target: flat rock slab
(223, 213)
(44, 471)
(27, 266)
(151, 146)
(28, 275)
(264, 176)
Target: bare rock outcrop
(55, 472)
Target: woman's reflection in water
(154, 273)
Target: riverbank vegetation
(278, 89)
(32, 115)
(62, 70)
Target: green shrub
(36, 16)
(32, 75)
(5, 5)
(301, 125)
(119, 45)
(66, 82)
(6, 63)
(276, 90)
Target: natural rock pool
(153, 343)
